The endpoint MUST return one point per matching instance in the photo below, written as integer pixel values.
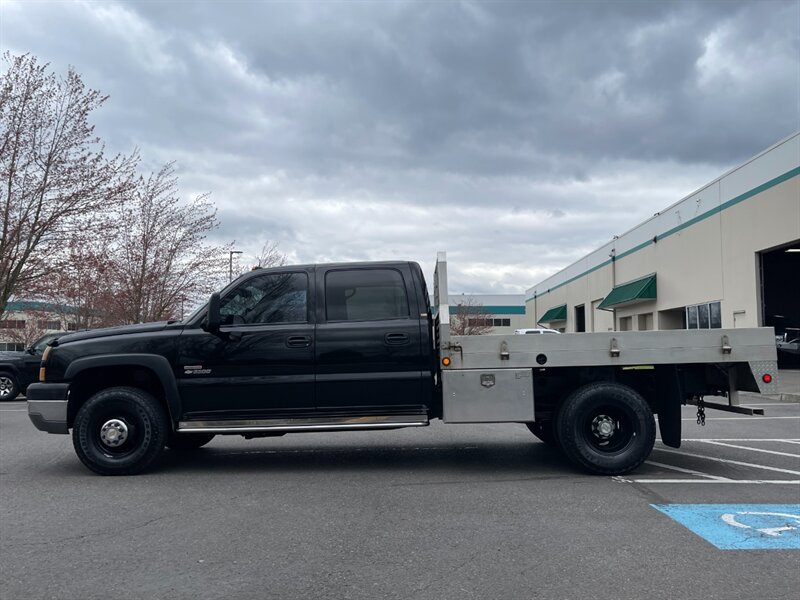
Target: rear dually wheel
(606, 428)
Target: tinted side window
(272, 298)
(365, 295)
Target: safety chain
(701, 411)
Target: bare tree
(80, 291)
(470, 318)
(160, 258)
(269, 256)
(54, 176)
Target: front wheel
(606, 428)
(120, 431)
(9, 388)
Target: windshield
(195, 312)
(39, 345)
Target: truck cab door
(261, 364)
(368, 351)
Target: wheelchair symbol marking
(740, 526)
(730, 519)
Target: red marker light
(766, 378)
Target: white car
(529, 331)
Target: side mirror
(31, 351)
(213, 317)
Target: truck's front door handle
(298, 341)
(396, 339)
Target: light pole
(230, 263)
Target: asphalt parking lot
(445, 511)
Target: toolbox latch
(614, 349)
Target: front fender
(156, 363)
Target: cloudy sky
(518, 136)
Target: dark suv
(19, 369)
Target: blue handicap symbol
(740, 526)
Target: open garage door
(780, 296)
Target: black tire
(606, 428)
(9, 388)
(545, 431)
(188, 441)
(120, 431)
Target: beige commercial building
(728, 255)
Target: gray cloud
(519, 136)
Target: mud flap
(668, 405)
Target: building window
(12, 324)
(625, 323)
(11, 347)
(704, 316)
(72, 327)
(48, 324)
(484, 322)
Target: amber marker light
(766, 378)
(45, 354)
(446, 361)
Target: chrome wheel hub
(5, 387)
(603, 426)
(113, 433)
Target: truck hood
(11, 356)
(109, 331)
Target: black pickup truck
(357, 346)
(19, 369)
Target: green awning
(557, 313)
(638, 290)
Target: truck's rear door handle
(298, 341)
(396, 339)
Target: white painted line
(788, 441)
(731, 462)
(682, 470)
(740, 481)
(770, 404)
(750, 418)
(716, 443)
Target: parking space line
(728, 461)
(751, 418)
(771, 404)
(619, 479)
(682, 470)
(716, 443)
(788, 441)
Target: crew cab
(356, 346)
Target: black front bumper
(47, 406)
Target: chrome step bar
(308, 424)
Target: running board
(307, 424)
